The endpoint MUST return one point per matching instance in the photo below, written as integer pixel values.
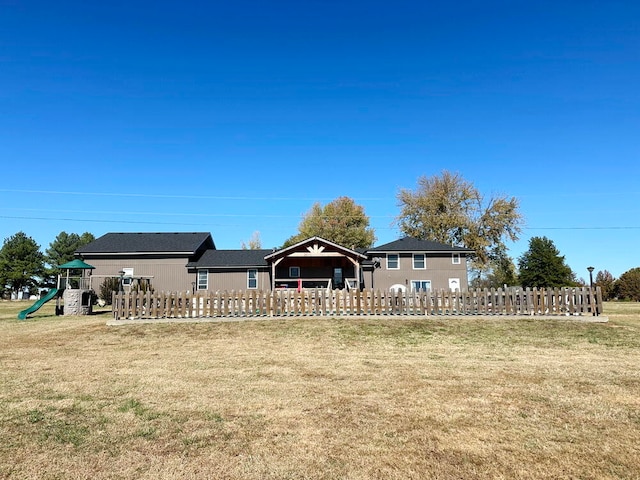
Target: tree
(254, 243)
(61, 251)
(628, 285)
(606, 282)
(543, 266)
(21, 263)
(340, 221)
(500, 271)
(450, 210)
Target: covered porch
(316, 263)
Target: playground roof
(77, 264)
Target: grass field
(445, 398)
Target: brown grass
(301, 399)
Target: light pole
(121, 273)
(590, 269)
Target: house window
(420, 285)
(455, 258)
(252, 278)
(393, 261)
(203, 279)
(419, 261)
(294, 272)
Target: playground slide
(50, 294)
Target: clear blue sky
(235, 117)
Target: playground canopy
(76, 264)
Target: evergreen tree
(543, 266)
(628, 285)
(61, 251)
(606, 282)
(21, 263)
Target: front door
(337, 278)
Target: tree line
(445, 208)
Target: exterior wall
(439, 269)
(314, 272)
(169, 274)
(236, 279)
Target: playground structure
(75, 290)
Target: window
(294, 272)
(203, 279)
(252, 278)
(393, 261)
(419, 262)
(420, 285)
(455, 258)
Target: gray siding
(439, 269)
(236, 279)
(169, 274)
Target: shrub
(107, 288)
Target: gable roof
(411, 244)
(178, 243)
(309, 242)
(231, 258)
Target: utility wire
(627, 227)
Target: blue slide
(50, 294)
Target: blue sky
(235, 117)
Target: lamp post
(121, 273)
(590, 269)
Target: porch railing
(322, 302)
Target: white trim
(413, 286)
(255, 278)
(424, 261)
(199, 282)
(397, 255)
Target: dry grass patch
(289, 399)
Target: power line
(181, 214)
(144, 222)
(189, 197)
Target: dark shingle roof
(410, 244)
(231, 258)
(178, 242)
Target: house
(158, 258)
(190, 261)
(410, 263)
